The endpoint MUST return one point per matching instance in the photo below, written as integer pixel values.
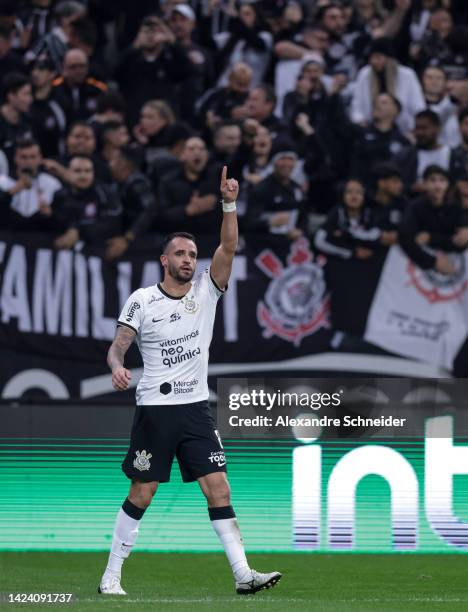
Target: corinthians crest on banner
(420, 313)
(295, 304)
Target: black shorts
(159, 433)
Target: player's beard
(182, 276)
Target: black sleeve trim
(216, 285)
(120, 324)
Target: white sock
(125, 535)
(228, 532)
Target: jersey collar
(168, 295)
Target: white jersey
(174, 336)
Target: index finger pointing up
(224, 176)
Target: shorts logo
(142, 461)
(131, 310)
(218, 457)
(190, 306)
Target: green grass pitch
(193, 582)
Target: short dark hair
(394, 99)
(434, 169)
(430, 115)
(168, 239)
(85, 29)
(268, 92)
(226, 123)
(108, 126)
(26, 142)
(79, 123)
(68, 8)
(81, 156)
(110, 100)
(177, 132)
(14, 81)
(132, 154)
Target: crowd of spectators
(343, 120)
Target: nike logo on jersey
(157, 320)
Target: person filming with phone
(26, 196)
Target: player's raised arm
(224, 254)
(124, 336)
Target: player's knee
(142, 493)
(219, 495)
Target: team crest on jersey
(190, 306)
(142, 461)
(436, 287)
(295, 304)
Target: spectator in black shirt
(85, 210)
(114, 136)
(227, 138)
(75, 90)
(381, 140)
(426, 152)
(349, 230)
(48, 119)
(276, 204)
(152, 67)
(226, 102)
(80, 140)
(84, 36)
(168, 158)
(188, 197)
(261, 105)
(136, 196)
(150, 132)
(389, 205)
(9, 60)
(459, 155)
(15, 122)
(431, 225)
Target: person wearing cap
(388, 202)
(433, 226)
(381, 140)
(384, 74)
(183, 22)
(276, 204)
(47, 117)
(151, 68)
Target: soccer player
(173, 325)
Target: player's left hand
(229, 187)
